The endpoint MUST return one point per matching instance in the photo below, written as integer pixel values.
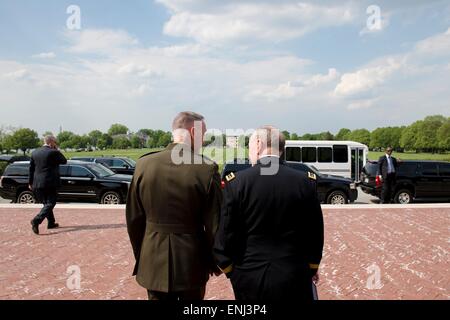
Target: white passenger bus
(340, 158)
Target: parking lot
(371, 252)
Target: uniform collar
(267, 160)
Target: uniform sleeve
(212, 212)
(315, 232)
(226, 235)
(32, 169)
(135, 216)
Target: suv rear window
(371, 168)
(13, 170)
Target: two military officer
(270, 238)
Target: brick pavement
(409, 246)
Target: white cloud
(361, 104)
(293, 89)
(99, 41)
(435, 45)
(21, 74)
(241, 21)
(45, 55)
(139, 70)
(366, 79)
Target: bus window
(325, 154)
(309, 154)
(293, 154)
(340, 154)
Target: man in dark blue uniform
(387, 172)
(270, 238)
(44, 180)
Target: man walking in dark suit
(271, 232)
(387, 173)
(172, 215)
(44, 180)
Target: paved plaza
(371, 252)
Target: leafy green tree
(117, 129)
(427, 134)
(286, 134)
(294, 136)
(25, 139)
(8, 143)
(94, 137)
(121, 142)
(325, 136)
(343, 134)
(443, 135)
(165, 139)
(64, 139)
(105, 141)
(137, 141)
(361, 136)
(409, 135)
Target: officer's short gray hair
(271, 137)
(185, 120)
(49, 139)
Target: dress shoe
(53, 226)
(34, 227)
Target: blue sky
(304, 66)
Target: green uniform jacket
(172, 216)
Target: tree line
(117, 137)
(432, 134)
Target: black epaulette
(147, 154)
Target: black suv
(81, 182)
(416, 180)
(121, 165)
(330, 189)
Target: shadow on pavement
(64, 229)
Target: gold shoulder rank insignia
(312, 176)
(230, 177)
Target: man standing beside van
(387, 172)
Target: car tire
(337, 197)
(403, 196)
(26, 197)
(111, 198)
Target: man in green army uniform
(172, 215)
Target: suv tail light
(222, 184)
(378, 181)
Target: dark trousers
(48, 198)
(194, 295)
(388, 186)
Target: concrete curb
(324, 206)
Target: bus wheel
(337, 197)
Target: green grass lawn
(412, 156)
